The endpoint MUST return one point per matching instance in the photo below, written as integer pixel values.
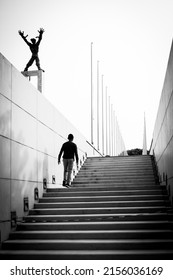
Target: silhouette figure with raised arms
(34, 47)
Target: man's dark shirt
(34, 48)
(70, 150)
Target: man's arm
(21, 33)
(60, 154)
(76, 155)
(41, 31)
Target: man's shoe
(41, 69)
(67, 186)
(64, 183)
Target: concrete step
(112, 162)
(117, 164)
(99, 210)
(112, 183)
(128, 171)
(90, 187)
(118, 159)
(101, 203)
(117, 168)
(96, 225)
(99, 217)
(91, 244)
(83, 192)
(115, 160)
(116, 180)
(121, 158)
(103, 198)
(114, 177)
(93, 234)
(87, 254)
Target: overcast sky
(131, 39)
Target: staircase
(113, 210)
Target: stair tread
(96, 222)
(105, 208)
(75, 189)
(92, 231)
(91, 202)
(103, 185)
(84, 191)
(100, 203)
(94, 241)
(86, 252)
(108, 216)
(110, 196)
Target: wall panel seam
(40, 122)
(165, 149)
(163, 121)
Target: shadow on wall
(19, 160)
(5, 123)
(45, 166)
(5, 144)
(5, 207)
(19, 173)
(25, 179)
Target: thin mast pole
(109, 130)
(102, 117)
(106, 122)
(144, 150)
(112, 128)
(92, 142)
(114, 135)
(98, 111)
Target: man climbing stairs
(113, 210)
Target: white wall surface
(162, 146)
(32, 132)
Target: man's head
(70, 137)
(33, 40)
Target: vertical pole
(109, 128)
(92, 142)
(112, 127)
(144, 150)
(102, 117)
(106, 122)
(98, 111)
(114, 135)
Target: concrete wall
(162, 144)
(32, 132)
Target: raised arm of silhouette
(34, 48)
(40, 35)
